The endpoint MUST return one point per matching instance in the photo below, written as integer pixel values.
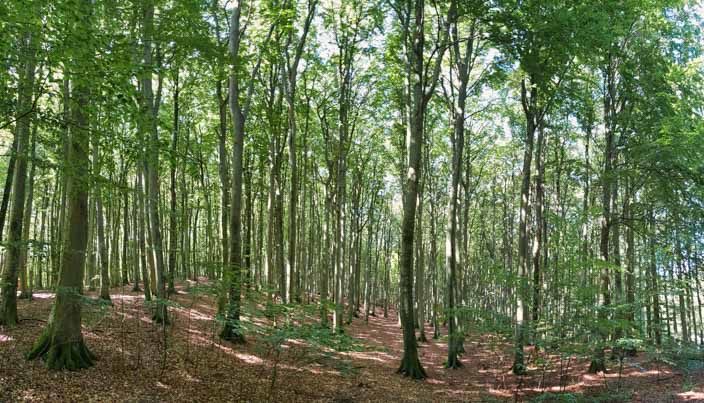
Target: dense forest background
(529, 172)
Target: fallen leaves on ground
(143, 362)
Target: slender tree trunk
(523, 249)
(140, 218)
(25, 289)
(231, 330)
(539, 220)
(7, 189)
(100, 220)
(149, 117)
(173, 231)
(655, 289)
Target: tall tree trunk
(7, 189)
(61, 343)
(25, 276)
(462, 64)
(655, 289)
(231, 330)
(100, 220)
(173, 232)
(598, 363)
(8, 296)
(410, 364)
(140, 218)
(523, 249)
(539, 236)
(150, 129)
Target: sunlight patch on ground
(126, 297)
(249, 358)
(194, 314)
(43, 295)
(125, 315)
(368, 356)
(498, 392)
(691, 396)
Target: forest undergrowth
(289, 357)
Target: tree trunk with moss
(61, 343)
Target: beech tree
(61, 342)
(529, 171)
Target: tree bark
(8, 285)
(61, 342)
(100, 220)
(149, 116)
(173, 231)
(25, 276)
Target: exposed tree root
(411, 368)
(60, 355)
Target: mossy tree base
(161, 318)
(598, 363)
(59, 355)
(8, 318)
(453, 354)
(229, 333)
(519, 366)
(410, 367)
(8, 305)
(596, 366)
(454, 363)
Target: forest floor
(291, 360)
